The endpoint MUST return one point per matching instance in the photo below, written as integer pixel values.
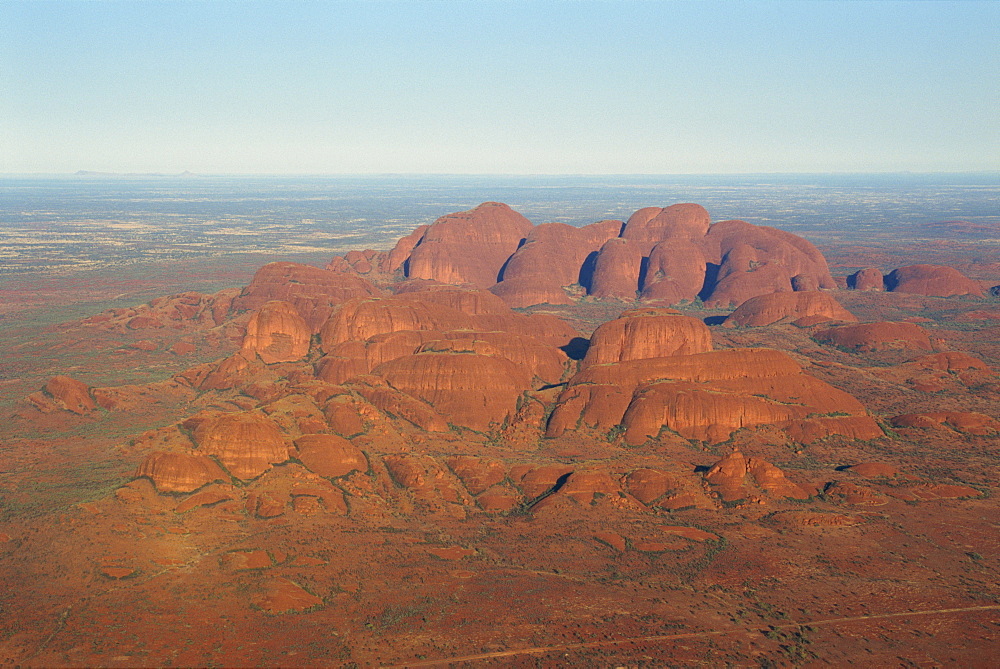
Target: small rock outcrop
(880, 336)
(933, 280)
(776, 307)
(70, 394)
(869, 278)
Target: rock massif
(668, 254)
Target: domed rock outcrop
(361, 319)
(329, 455)
(933, 280)
(756, 260)
(314, 292)
(470, 246)
(707, 396)
(553, 257)
(767, 309)
(245, 443)
(70, 394)
(675, 272)
(468, 389)
(277, 333)
(617, 269)
(961, 421)
(880, 336)
(869, 278)
(655, 224)
(180, 472)
(647, 333)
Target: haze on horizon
(498, 87)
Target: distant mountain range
(92, 173)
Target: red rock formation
(707, 396)
(934, 280)
(277, 333)
(552, 258)
(180, 472)
(477, 474)
(756, 260)
(676, 271)
(245, 443)
(655, 224)
(70, 394)
(329, 455)
(877, 336)
(397, 403)
(470, 246)
(767, 309)
(616, 272)
(539, 359)
(960, 421)
(313, 291)
(647, 333)
(469, 301)
(361, 319)
(951, 361)
(729, 477)
(468, 389)
(869, 278)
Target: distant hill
(92, 173)
(961, 229)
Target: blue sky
(552, 87)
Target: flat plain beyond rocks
(662, 439)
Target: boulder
(969, 422)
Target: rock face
(70, 394)
(775, 307)
(933, 280)
(277, 333)
(554, 256)
(180, 472)
(647, 333)
(329, 455)
(314, 292)
(881, 336)
(470, 246)
(707, 396)
(246, 443)
(468, 389)
(869, 278)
